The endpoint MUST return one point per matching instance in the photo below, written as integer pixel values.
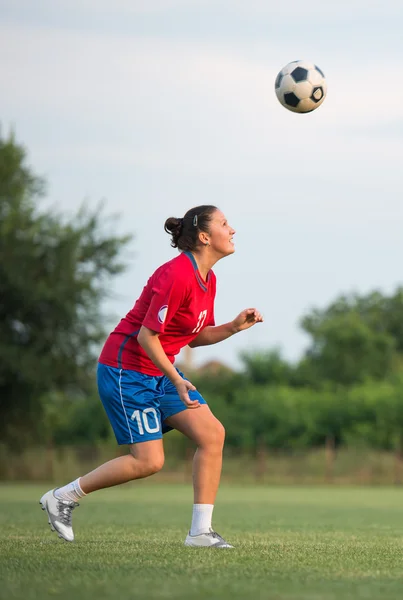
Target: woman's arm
(212, 335)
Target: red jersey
(176, 302)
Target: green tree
(354, 339)
(54, 274)
(267, 367)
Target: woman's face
(221, 234)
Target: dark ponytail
(174, 227)
(185, 232)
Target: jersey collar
(199, 279)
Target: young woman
(144, 395)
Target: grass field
(291, 543)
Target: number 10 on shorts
(143, 423)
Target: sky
(156, 106)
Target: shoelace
(216, 535)
(65, 509)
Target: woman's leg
(131, 402)
(144, 459)
(201, 426)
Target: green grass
(291, 543)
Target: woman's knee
(147, 464)
(214, 436)
(220, 432)
(155, 464)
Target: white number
(141, 417)
(200, 322)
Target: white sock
(201, 518)
(71, 492)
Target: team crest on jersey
(162, 313)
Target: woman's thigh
(171, 404)
(199, 425)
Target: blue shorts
(138, 404)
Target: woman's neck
(204, 261)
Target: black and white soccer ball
(301, 86)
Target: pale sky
(156, 106)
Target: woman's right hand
(184, 387)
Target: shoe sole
(44, 507)
(217, 546)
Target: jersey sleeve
(167, 296)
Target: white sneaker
(210, 538)
(59, 514)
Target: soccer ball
(300, 86)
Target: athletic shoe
(59, 514)
(211, 538)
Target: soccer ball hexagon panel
(301, 86)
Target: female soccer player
(144, 395)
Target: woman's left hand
(247, 318)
